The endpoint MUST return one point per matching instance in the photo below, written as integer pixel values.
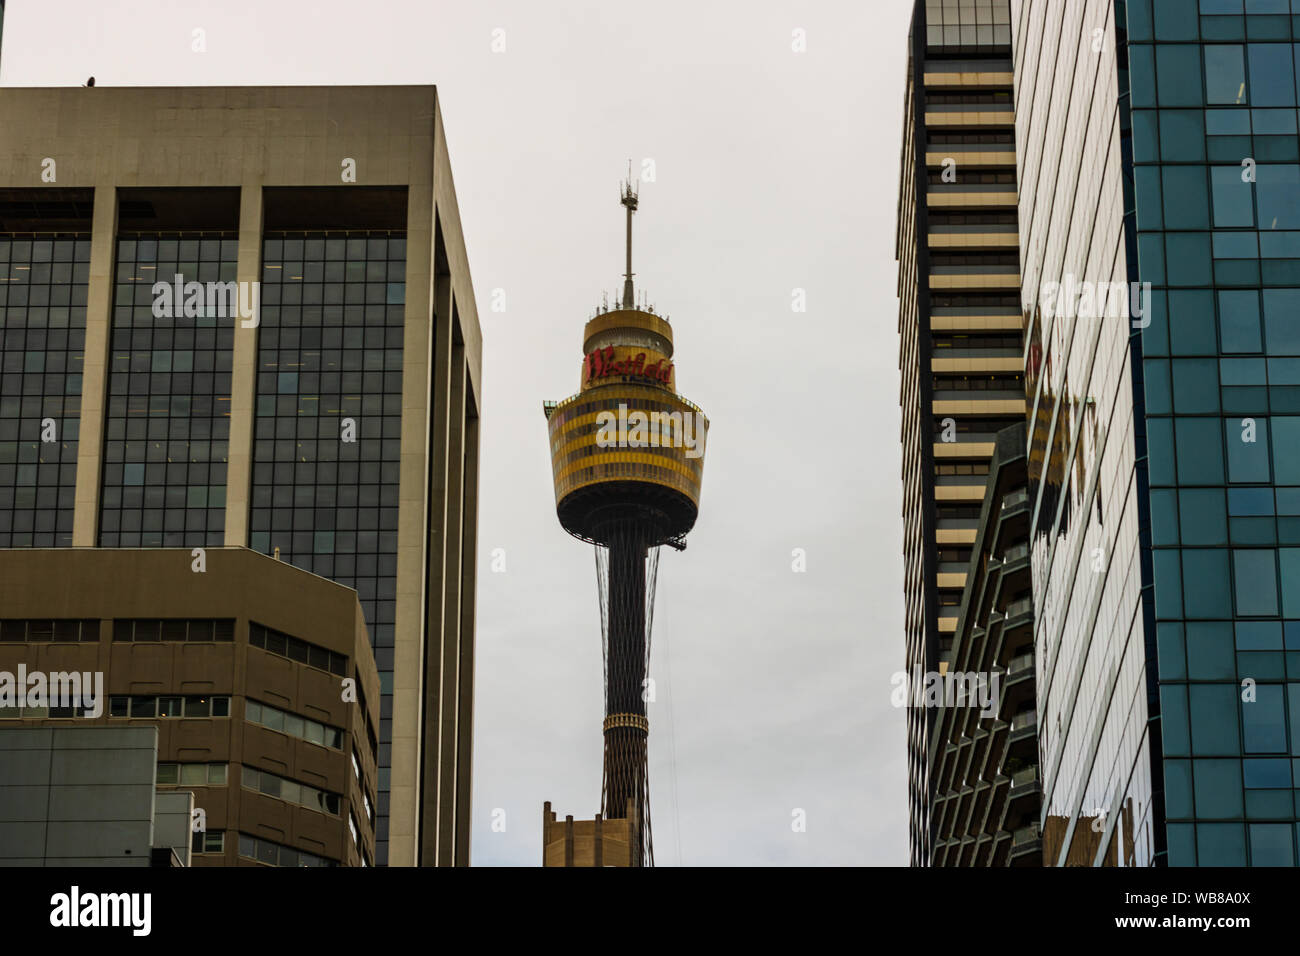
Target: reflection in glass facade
(167, 425)
(1167, 531)
(43, 284)
(1086, 454)
(327, 439)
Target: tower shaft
(626, 726)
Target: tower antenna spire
(628, 197)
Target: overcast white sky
(775, 170)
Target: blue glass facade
(1216, 161)
(1161, 170)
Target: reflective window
(1272, 82)
(43, 288)
(167, 427)
(1234, 202)
(1277, 191)
(1255, 573)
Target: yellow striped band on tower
(627, 720)
(627, 433)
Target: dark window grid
(330, 348)
(167, 427)
(69, 247)
(42, 340)
(37, 631)
(286, 645)
(173, 629)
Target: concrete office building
(959, 326)
(1158, 145)
(243, 317)
(257, 675)
(84, 796)
(987, 797)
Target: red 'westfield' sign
(601, 364)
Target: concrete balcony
(1024, 726)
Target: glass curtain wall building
(1159, 157)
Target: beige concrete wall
(243, 373)
(108, 584)
(256, 137)
(94, 381)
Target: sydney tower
(628, 457)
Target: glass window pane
(1225, 74)
(1213, 711)
(266, 852)
(1220, 844)
(1178, 74)
(1239, 321)
(1186, 203)
(1272, 82)
(1270, 845)
(1281, 328)
(1247, 449)
(1218, 789)
(1206, 589)
(1234, 203)
(1255, 573)
(1211, 654)
(1200, 454)
(1277, 191)
(1263, 720)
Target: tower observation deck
(628, 458)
